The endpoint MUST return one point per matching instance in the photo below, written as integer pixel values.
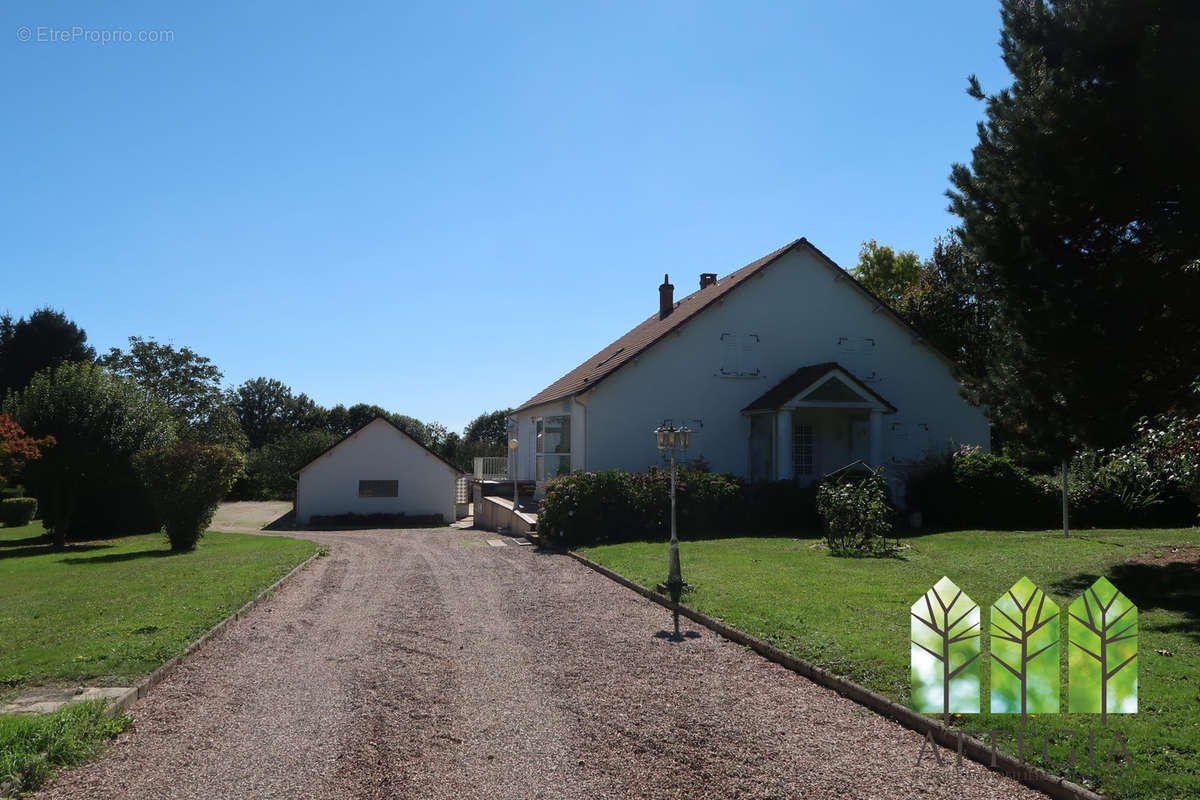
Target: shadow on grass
(26, 542)
(1172, 586)
(116, 558)
(47, 549)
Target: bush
(187, 482)
(17, 511)
(615, 505)
(588, 507)
(991, 491)
(1121, 488)
(856, 512)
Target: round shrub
(856, 512)
(18, 511)
(187, 482)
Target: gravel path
(426, 664)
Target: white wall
(798, 310)
(378, 451)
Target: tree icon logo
(1024, 625)
(1024, 629)
(945, 652)
(1102, 658)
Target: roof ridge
(648, 332)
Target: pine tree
(1082, 208)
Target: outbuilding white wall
(799, 309)
(378, 451)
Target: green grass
(32, 746)
(108, 613)
(851, 616)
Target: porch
(817, 420)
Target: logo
(1024, 627)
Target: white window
(553, 446)
(802, 449)
(739, 355)
(378, 488)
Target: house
(786, 369)
(378, 469)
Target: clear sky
(443, 207)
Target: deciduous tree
(188, 382)
(98, 420)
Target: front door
(805, 448)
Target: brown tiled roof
(800, 380)
(620, 352)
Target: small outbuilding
(378, 469)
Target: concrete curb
(126, 700)
(972, 748)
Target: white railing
(491, 468)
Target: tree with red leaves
(17, 448)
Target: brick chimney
(707, 279)
(666, 297)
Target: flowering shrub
(1166, 455)
(857, 515)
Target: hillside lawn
(851, 615)
(107, 613)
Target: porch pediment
(823, 385)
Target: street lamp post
(668, 438)
(513, 444)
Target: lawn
(32, 746)
(108, 613)
(851, 615)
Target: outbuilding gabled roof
(591, 372)
(354, 432)
(804, 378)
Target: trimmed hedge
(18, 511)
(615, 505)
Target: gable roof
(362, 427)
(591, 372)
(804, 378)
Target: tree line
(101, 410)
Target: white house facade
(787, 369)
(378, 469)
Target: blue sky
(441, 208)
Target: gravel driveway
(427, 664)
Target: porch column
(876, 438)
(783, 445)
